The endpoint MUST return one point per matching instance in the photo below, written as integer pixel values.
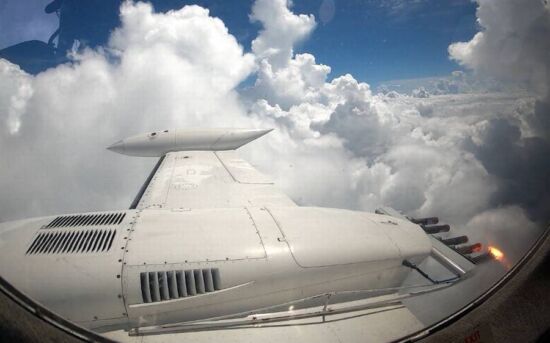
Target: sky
(26, 20)
(394, 39)
(467, 141)
(373, 40)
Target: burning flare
(497, 254)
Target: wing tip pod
(159, 143)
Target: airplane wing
(201, 169)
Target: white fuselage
(129, 271)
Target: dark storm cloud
(521, 165)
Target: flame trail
(497, 254)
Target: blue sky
(375, 41)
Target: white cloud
(283, 78)
(513, 43)
(199, 42)
(388, 153)
(14, 95)
(282, 29)
(295, 82)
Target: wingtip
(116, 147)
(256, 133)
(262, 132)
(266, 131)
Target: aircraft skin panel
(367, 237)
(200, 235)
(240, 170)
(258, 264)
(263, 284)
(209, 179)
(70, 273)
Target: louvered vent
(174, 284)
(87, 220)
(72, 242)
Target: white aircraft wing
(207, 178)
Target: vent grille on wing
(72, 242)
(174, 284)
(87, 220)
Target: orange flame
(497, 254)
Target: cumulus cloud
(295, 82)
(283, 78)
(392, 154)
(282, 29)
(14, 95)
(200, 43)
(513, 43)
(421, 93)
